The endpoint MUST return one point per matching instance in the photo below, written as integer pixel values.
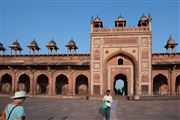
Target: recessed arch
(61, 84)
(42, 84)
(81, 85)
(6, 83)
(24, 83)
(178, 85)
(160, 85)
(135, 68)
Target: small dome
(34, 43)
(16, 46)
(16, 43)
(171, 41)
(143, 17)
(52, 43)
(71, 42)
(97, 19)
(120, 18)
(2, 47)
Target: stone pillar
(169, 81)
(53, 84)
(31, 80)
(31, 84)
(35, 85)
(73, 86)
(173, 83)
(71, 90)
(15, 80)
(50, 76)
(136, 85)
(32, 87)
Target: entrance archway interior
(62, 85)
(42, 84)
(6, 83)
(24, 83)
(81, 85)
(120, 85)
(178, 85)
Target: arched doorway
(121, 62)
(178, 85)
(62, 85)
(81, 85)
(24, 83)
(120, 85)
(6, 83)
(42, 84)
(160, 85)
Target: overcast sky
(46, 19)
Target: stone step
(160, 97)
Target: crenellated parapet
(122, 29)
(144, 24)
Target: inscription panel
(110, 41)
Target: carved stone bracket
(50, 69)
(32, 70)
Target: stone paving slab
(39, 108)
(59, 109)
(148, 110)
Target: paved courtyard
(38, 108)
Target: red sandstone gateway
(118, 54)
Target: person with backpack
(14, 110)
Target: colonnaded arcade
(119, 53)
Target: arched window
(120, 61)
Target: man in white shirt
(108, 100)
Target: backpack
(3, 115)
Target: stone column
(32, 86)
(50, 76)
(136, 84)
(14, 84)
(170, 81)
(15, 79)
(173, 83)
(71, 88)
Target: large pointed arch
(135, 68)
